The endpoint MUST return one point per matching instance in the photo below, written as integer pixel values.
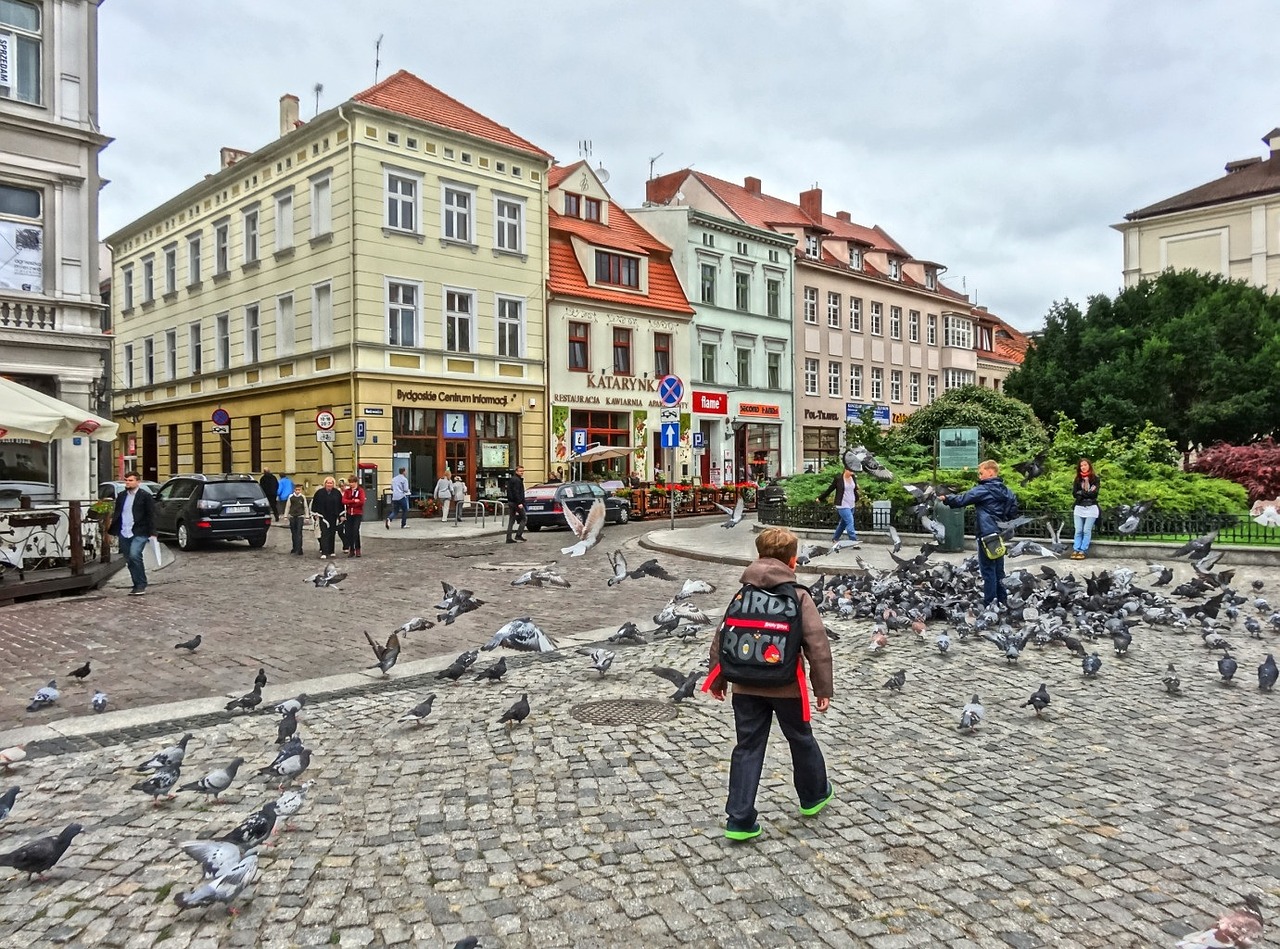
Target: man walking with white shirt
(131, 521)
(399, 499)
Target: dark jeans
(327, 535)
(295, 531)
(753, 719)
(516, 519)
(992, 577)
(275, 508)
(402, 506)
(132, 548)
(353, 531)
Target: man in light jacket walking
(399, 499)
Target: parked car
(12, 493)
(195, 508)
(108, 490)
(544, 504)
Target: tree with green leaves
(1194, 353)
(1007, 427)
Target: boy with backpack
(992, 502)
(770, 628)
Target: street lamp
(132, 412)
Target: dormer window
(931, 279)
(811, 245)
(617, 269)
(591, 209)
(572, 205)
(895, 269)
(855, 257)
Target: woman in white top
(443, 493)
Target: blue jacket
(991, 500)
(286, 488)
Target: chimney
(229, 156)
(288, 114)
(811, 203)
(751, 184)
(844, 216)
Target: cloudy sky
(1000, 138)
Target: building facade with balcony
(383, 262)
(51, 320)
(873, 326)
(738, 394)
(618, 321)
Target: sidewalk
(424, 528)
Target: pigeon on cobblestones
(292, 801)
(254, 830)
(328, 578)
(971, 716)
(292, 706)
(522, 635)
(628, 632)
(387, 655)
(467, 942)
(1227, 668)
(171, 757)
(601, 659)
(287, 728)
(191, 645)
(943, 643)
(1172, 684)
(249, 701)
(216, 781)
(896, 681)
(650, 568)
(1039, 699)
(418, 714)
(223, 888)
(1091, 664)
(6, 801)
(45, 696)
(681, 611)
(516, 714)
(215, 857)
(495, 672)
(541, 576)
(1268, 673)
(99, 701)
(12, 755)
(40, 856)
(290, 767)
(453, 672)
(414, 625)
(82, 673)
(162, 782)
(686, 683)
(1237, 929)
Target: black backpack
(761, 636)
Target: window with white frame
(895, 269)
(171, 355)
(811, 248)
(195, 349)
(913, 388)
(877, 319)
(742, 360)
(321, 206)
(773, 370)
(126, 364)
(710, 354)
(855, 257)
(931, 330)
(855, 381)
(171, 269)
(148, 278)
(459, 312)
(286, 325)
(957, 332)
(222, 339)
(913, 326)
(742, 291)
(402, 201)
(707, 283)
(508, 223)
(773, 298)
(322, 316)
(930, 279)
(148, 362)
(510, 327)
(855, 314)
(456, 205)
(955, 378)
(811, 304)
(221, 247)
(193, 260)
(877, 384)
(402, 313)
(810, 376)
(284, 220)
(126, 287)
(20, 44)
(895, 385)
(835, 379)
(833, 309)
(251, 236)
(895, 322)
(931, 392)
(252, 334)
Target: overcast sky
(1000, 139)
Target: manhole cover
(623, 712)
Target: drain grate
(623, 712)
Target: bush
(1254, 467)
(1007, 427)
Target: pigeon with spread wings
(650, 568)
(734, 514)
(588, 531)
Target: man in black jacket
(515, 505)
(270, 485)
(131, 522)
(327, 506)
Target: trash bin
(952, 520)
(880, 515)
(770, 502)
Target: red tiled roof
(405, 93)
(567, 279)
(1008, 344)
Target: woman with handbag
(992, 502)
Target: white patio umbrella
(26, 413)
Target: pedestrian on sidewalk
(399, 499)
(284, 492)
(270, 485)
(326, 507)
(1086, 510)
(443, 493)
(515, 505)
(770, 630)
(845, 488)
(131, 520)
(297, 511)
(992, 502)
(459, 490)
(353, 500)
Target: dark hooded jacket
(992, 501)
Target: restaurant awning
(604, 453)
(26, 413)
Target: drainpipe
(351, 374)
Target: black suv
(195, 508)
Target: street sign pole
(671, 482)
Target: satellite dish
(679, 196)
(602, 175)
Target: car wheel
(624, 514)
(257, 541)
(185, 540)
(534, 527)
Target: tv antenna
(317, 89)
(584, 148)
(377, 61)
(652, 161)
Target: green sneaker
(816, 808)
(749, 834)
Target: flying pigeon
(1238, 929)
(1032, 468)
(168, 758)
(1039, 699)
(215, 857)
(40, 856)
(495, 672)
(859, 458)
(216, 781)
(82, 672)
(292, 706)
(99, 701)
(936, 528)
(1172, 684)
(45, 696)
(680, 611)
(650, 568)
(1268, 673)
(455, 602)
(248, 701)
(418, 714)
(971, 716)
(289, 768)
(223, 888)
(895, 540)
(693, 586)
(522, 635)
(808, 552)
(517, 713)
(1131, 514)
(588, 531)
(896, 681)
(191, 645)
(540, 576)
(685, 682)
(734, 515)
(6, 801)
(1227, 667)
(1198, 548)
(160, 782)
(386, 655)
(1268, 513)
(601, 659)
(1091, 664)
(413, 625)
(329, 577)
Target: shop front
(820, 439)
(758, 441)
(609, 410)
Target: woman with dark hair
(1085, 490)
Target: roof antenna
(584, 148)
(651, 163)
(377, 48)
(317, 89)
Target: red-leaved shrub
(1254, 467)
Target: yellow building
(382, 264)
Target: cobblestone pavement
(1124, 817)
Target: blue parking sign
(697, 439)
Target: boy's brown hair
(778, 543)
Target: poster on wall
(495, 455)
(21, 257)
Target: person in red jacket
(353, 498)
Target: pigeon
(1172, 684)
(6, 801)
(40, 856)
(292, 706)
(518, 712)
(287, 728)
(329, 577)
(1039, 699)
(896, 681)
(679, 611)
(1131, 514)
(216, 781)
(971, 716)
(414, 625)
(734, 515)
(191, 645)
(260, 680)
(82, 672)
(943, 643)
(223, 888)
(467, 942)
(290, 767)
(1162, 573)
(1091, 664)
(692, 587)
(215, 857)
(1032, 468)
(288, 750)
(248, 701)
(859, 458)
(685, 682)
(99, 701)
(878, 640)
(628, 632)
(495, 672)
(418, 714)
(160, 782)
(386, 655)
(522, 635)
(169, 758)
(1268, 513)
(290, 802)
(1238, 929)
(453, 672)
(650, 568)
(12, 755)
(1257, 585)
(1120, 640)
(541, 576)
(1268, 673)
(45, 697)
(1227, 668)
(1198, 548)
(601, 660)
(588, 531)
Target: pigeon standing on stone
(6, 801)
(216, 781)
(418, 714)
(168, 758)
(1172, 684)
(40, 856)
(290, 767)
(254, 829)
(287, 727)
(292, 706)
(971, 716)
(81, 673)
(160, 782)
(260, 680)
(1268, 673)
(45, 697)
(99, 701)
(495, 672)
(516, 714)
(290, 802)
(249, 701)
(896, 681)
(1237, 929)
(1227, 667)
(1091, 664)
(1039, 699)
(943, 643)
(191, 645)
